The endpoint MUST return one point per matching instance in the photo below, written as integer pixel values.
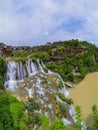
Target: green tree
(2, 71)
(58, 125)
(95, 117)
(44, 122)
(12, 115)
(78, 125)
(59, 48)
(18, 117)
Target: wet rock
(69, 84)
(22, 85)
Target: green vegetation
(46, 70)
(95, 117)
(44, 122)
(77, 58)
(62, 110)
(12, 115)
(78, 125)
(20, 54)
(58, 125)
(65, 99)
(33, 118)
(72, 59)
(2, 71)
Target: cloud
(37, 22)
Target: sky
(36, 22)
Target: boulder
(69, 84)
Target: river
(85, 94)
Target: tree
(2, 71)
(78, 125)
(12, 115)
(44, 122)
(95, 117)
(18, 118)
(59, 48)
(58, 125)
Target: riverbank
(85, 94)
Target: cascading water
(11, 75)
(31, 67)
(17, 72)
(63, 90)
(11, 71)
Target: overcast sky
(35, 22)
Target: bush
(44, 122)
(34, 118)
(62, 110)
(45, 69)
(32, 105)
(67, 100)
(78, 125)
(2, 72)
(2, 66)
(12, 113)
(95, 117)
(58, 125)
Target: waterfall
(11, 75)
(20, 72)
(16, 72)
(11, 71)
(63, 90)
(32, 68)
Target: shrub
(44, 122)
(65, 99)
(58, 125)
(12, 115)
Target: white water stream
(16, 72)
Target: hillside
(36, 76)
(72, 59)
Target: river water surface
(85, 94)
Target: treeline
(72, 59)
(78, 59)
